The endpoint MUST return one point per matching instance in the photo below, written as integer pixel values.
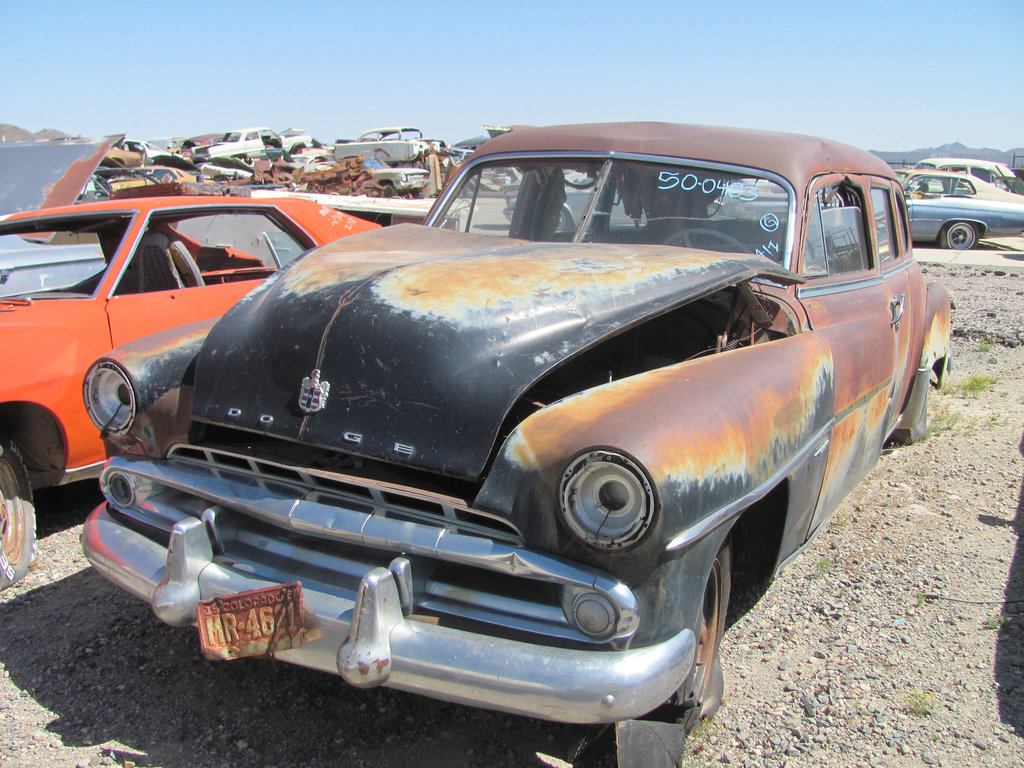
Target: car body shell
(49, 338)
(249, 143)
(392, 146)
(406, 421)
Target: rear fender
(935, 345)
(935, 355)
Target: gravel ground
(896, 639)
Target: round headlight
(606, 499)
(109, 398)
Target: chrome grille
(389, 500)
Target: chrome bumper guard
(373, 638)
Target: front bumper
(371, 635)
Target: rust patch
(936, 337)
(662, 416)
(435, 281)
(517, 284)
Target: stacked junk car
(521, 457)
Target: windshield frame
(451, 193)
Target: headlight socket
(606, 499)
(109, 398)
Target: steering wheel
(685, 237)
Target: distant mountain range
(14, 133)
(902, 159)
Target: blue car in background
(960, 222)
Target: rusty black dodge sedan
(519, 457)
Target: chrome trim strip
(704, 527)
(808, 290)
(901, 265)
(88, 472)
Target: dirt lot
(896, 639)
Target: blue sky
(879, 74)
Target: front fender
(713, 434)
(160, 369)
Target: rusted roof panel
(796, 157)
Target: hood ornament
(313, 395)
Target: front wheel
(960, 236)
(706, 695)
(17, 515)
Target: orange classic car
(76, 281)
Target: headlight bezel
(110, 398)
(606, 499)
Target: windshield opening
(623, 201)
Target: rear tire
(17, 515)
(705, 697)
(959, 236)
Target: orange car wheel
(17, 515)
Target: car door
(193, 266)
(848, 303)
(905, 285)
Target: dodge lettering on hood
(520, 457)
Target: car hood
(427, 337)
(43, 174)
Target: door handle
(896, 309)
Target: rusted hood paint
(428, 337)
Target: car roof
(992, 164)
(390, 129)
(793, 156)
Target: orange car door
(135, 315)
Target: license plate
(254, 623)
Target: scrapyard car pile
(521, 457)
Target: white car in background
(393, 146)
(249, 143)
(999, 174)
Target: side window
(964, 188)
(207, 250)
(903, 217)
(882, 207)
(835, 234)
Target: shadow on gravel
(97, 658)
(66, 506)
(1010, 643)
